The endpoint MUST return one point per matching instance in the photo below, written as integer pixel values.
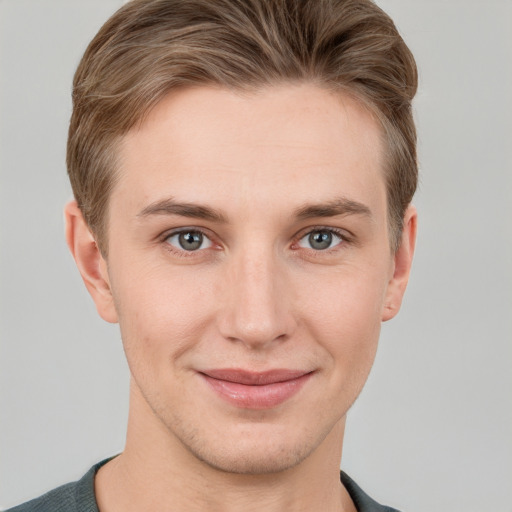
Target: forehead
(277, 144)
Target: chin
(254, 450)
(259, 461)
(245, 442)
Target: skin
(272, 167)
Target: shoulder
(362, 501)
(59, 500)
(73, 497)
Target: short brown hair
(149, 47)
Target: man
(243, 172)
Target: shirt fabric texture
(79, 497)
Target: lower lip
(256, 397)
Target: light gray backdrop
(433, 429)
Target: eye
(320, 240)
(189, 240)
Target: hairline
(394, 226)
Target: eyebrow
(340, 206)
(171, 207)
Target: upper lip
(253, 378)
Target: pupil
(191, 241)
(320, 240)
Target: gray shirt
(79, 497)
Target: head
(243, 172)
(152, 47)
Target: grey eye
(189, 240)
(320, 240)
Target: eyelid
(346, 236)
(187, 229)
(205, 240)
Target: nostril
(256, 312)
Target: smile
(256, 390)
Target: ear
(90, 262)
(401, 266)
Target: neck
(156, 472)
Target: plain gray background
(433, 429)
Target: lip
(255, 390)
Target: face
(249, 268)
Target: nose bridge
(257, 311)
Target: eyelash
(342, 234)
(182, 252)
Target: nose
(257, 308)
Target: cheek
(344, 316)
(159, 311)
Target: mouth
(255, 390)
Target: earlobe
(402, 266)
(90, 262)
